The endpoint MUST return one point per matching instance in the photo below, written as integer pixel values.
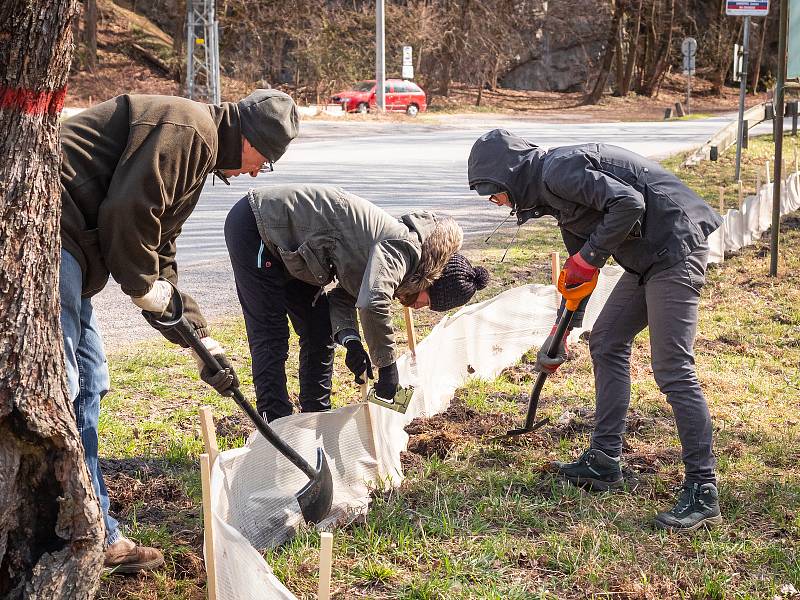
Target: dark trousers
(667, 304)
(268, 294)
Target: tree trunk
(757, 62)
(608, 58)
(619, 66)
(90, 34)
(50, 522)
(661, 57)
(633, 48)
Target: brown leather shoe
(124, 556)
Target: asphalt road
(399, 166)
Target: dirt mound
(458, 425)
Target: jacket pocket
(304, 265)
(95, 272)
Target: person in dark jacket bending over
(612, 202)
(287, 243)
(132, 171)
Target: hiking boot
(594, 469)
(124, 556)
(698, 505)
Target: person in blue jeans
(132, 171)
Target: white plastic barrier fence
(743, 226)
(252, 488)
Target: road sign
(738, 57)
(408, 63)
(689, 46)
(747, 8)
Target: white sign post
(746, 9)
(408, 63)
(689, 49)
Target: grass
(478, 519)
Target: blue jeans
(87, 374)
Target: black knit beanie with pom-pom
(458, 283)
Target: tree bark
(90, 34)
(757, 62)
(608, 58)
(50, 522)
(661, 56)
(633, 48)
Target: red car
(401, 95)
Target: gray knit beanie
(269, 122)
(458, 283)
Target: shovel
(316, 496)
(573, 296)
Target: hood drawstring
(503, 222)
(514, 239)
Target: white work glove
(223, 380)
(157, 299)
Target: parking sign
(747, 8)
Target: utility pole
(202, 51)
(380, 57)
(742, 93)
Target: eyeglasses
(267, 167)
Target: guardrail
(726, 137)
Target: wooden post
(371, 411)
(410, 333)
(208, 537)
(555, 267)
(741, 193)
(325, 564)
(722, 200)
(209, 433)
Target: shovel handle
(178, 323)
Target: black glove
(357, 360)
(388, 380)
(543, 361)
(224, 380)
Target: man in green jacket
(287, 243)
(132, 171)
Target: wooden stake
(325, 564)
(371, 412)
(410, 333)
(555, 267)
(741, 193)
(722, 199)
(758, 181)
(209, 433)
(208, 537)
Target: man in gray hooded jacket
(132, 171)
(287, 243)
(611, 202)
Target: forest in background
(597, 47)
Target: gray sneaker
(594, 469)
(697, 506)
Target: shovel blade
(316, 497)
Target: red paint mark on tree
(31, 102)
